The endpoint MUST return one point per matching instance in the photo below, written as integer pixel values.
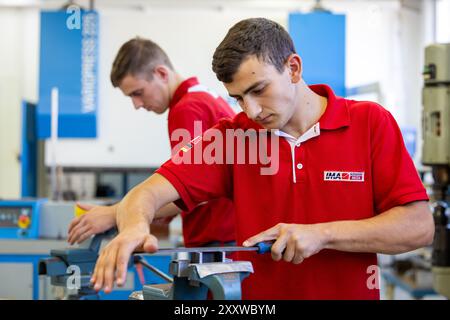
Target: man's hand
(98, 219)
(294, 242)
(134, 213)
(113, 261)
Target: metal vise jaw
(194, 277)
(57, 267)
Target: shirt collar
(336, 114)
(182, 90)
(312, 132)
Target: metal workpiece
(208, 256)
(222, 279)
(260, 247)
(206, 269)
(202, 270)
(193, 278)
(179, 268)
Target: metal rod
(142, 261)
(203, 249)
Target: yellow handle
(78, 211)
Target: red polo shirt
(212, 221)
(352, 165)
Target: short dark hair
(135, 57)
(264, 38)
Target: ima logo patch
(343, 176)
(193, 142)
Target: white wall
(443, 21)
(383, 45)
(18, 80)
(130, 138)
(10, 92)
(385, 41)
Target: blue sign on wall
(69, 62)
(29, 154)
(319, 39)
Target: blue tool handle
(264, 246)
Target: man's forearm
(138, 208)
(169, 210)
(397, 230)
(135, 209)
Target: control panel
(19, 219)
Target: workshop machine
(19, 219)
(29, 229)
(193, 271)
(72, 268)
(32, 219)
(202, 270)
(436, 153)
(33, 244)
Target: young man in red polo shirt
(344, 187)
(143, 72)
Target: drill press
(436, 153)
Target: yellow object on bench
(78, 211)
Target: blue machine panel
(19, 219)
(319, 39)
(68, 61)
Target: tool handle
(264, 246)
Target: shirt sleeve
(188, 116)
(395, 178)
(196, 178)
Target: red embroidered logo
(343, 176)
